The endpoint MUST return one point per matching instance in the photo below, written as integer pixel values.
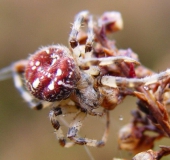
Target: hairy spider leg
(6, 73)
(82, 17)
(54, 113)
(76, 125)
(113, 81)
(79, 19)
(90, 36)
(104, 61)
(94, 70)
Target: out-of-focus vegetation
(27, 25)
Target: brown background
(27, 25)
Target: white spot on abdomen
(51, 86)
(36, 83)
(54, 61)
(37, 63)
(34, 67)
(60, 82)
(59, 72)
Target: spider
(78, 79)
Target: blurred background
(27, 25)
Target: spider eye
(51, 73)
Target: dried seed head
(51, 73)
(132, 138)
(127, 138)
(112, 21)
(147, 155)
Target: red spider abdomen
(51, 73)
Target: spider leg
(90, 36)
(113, 81)
(79, 19)
(109, 60)
(6, 73)
(75, 127)
(61, 110)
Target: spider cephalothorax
(91, 74)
